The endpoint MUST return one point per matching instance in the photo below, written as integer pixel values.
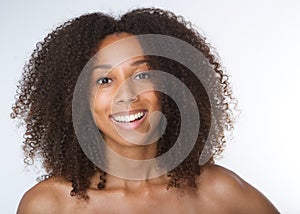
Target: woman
(101, 96)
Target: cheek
(158, 97)
(154, 98)
(101, 103)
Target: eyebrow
(108, 66)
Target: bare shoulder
(44, 197)
(222, 186)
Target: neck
(128, 170)
(133, 163)
(114, 183)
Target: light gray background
(258, 42)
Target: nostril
(127, 99)
(135, 98)
(127, 92)
(126, 96)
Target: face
(124, 103)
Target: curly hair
(44, 95)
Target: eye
(143, 75)
(104, 80)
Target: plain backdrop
(258, 43)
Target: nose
(126, 93)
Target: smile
(128, 117)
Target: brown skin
(220, 191)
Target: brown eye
(104, 80)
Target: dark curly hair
(44, 95)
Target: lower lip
(132, 125)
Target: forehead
(114, 38)
(117, 48)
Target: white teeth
(132, 117)
(128, 118)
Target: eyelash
(138, 76)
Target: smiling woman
(130, 103)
